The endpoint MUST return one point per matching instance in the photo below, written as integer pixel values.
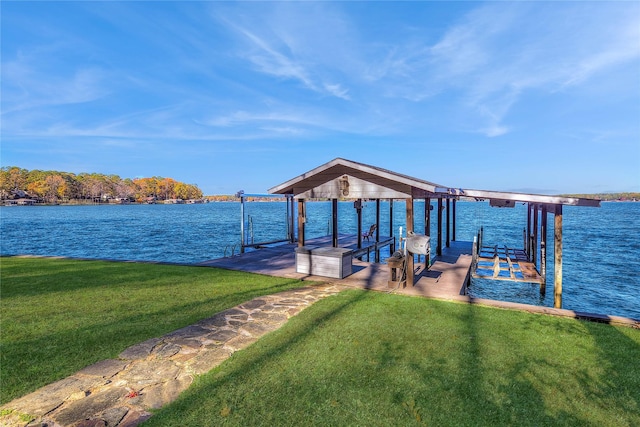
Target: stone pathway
(121, 392)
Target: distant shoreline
(7, 203)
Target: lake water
(601, 246)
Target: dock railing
(374, 247)
(247, 238)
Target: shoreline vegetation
(27, 187)
(26, 201)
(22, 187)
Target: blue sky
(528, 96)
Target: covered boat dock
(443, 274)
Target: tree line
(609, 197)
(55, 186)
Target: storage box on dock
(324, 261)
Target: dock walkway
(447, 277)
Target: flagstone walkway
(121, 392)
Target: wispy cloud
(28, 86)
(241, 117)
(156, 81)
(271, 61)
(500, 52)
(279, 46)
(337, 90)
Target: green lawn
(358, 358)
(372, 359)
(58, 316)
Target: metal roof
(341, 178)
(531, 198)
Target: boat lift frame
(244, 239)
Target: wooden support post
(241, 225)
(393, 245)
(378, 229)
(302, 218)
(543, 251)
(334, 217)
(410, 264)
(292, 233)
(534, 251)
(453, 232)
(528, 239)
(448, 221)
(557, 255)
(427, 217)
(427, 229)
(439, 246)
(359, 210)
(288, 222)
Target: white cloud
(243, 117)
(337, 91)
(27, 86)
(498, 53)
(273, 62)
(289, 46)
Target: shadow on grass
(548, 384)
(184, 411)
(618, 353)
(516, 401)
(361, 358)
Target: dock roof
(342, 178)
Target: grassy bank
(375, 359)
(59, 316)
(359, 358)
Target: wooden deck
(447, 278)
(504, 263)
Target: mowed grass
(371, 359)
(60, 315)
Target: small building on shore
(20, 202)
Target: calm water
(600, 246)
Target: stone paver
(121, 392)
